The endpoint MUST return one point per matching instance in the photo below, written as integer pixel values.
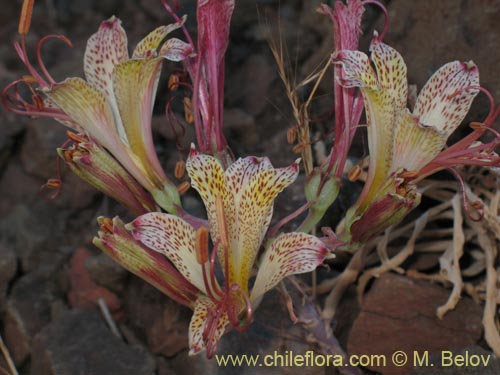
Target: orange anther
(53, 183)
(106, 225)
(183, 187)
(201, 245)
(298, 148)
(408, 174)
(354, 173)
(25, 19)
(180, 169)
(188, 110)
(478, 205)
(476, 125)
(29, 79)
(173, 82)
(291, 135)
(77, 138)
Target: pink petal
(445, 100)
(105, 49)
(176, 50)
(289, 254)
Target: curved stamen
(233, 309)
(210, 331)
(386, 14)
(478, 206)
(216, 287)
(39, 53)
(23, 55)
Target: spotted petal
(415, 145)
(207, 177)
(87, 107)
(153, 40)
(290, 253)
(105, 49)
(135, 83)
(447, 96)
(385, 96)
(173, 237)
(252, 212)
(198, 323)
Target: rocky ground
(51, 277)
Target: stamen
(25, 19)
(465, 202)
(39, 53)
(386, 14)
(233, 308)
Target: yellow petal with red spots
(173, 237)
(253, 206)
(87, 107)
(153, 40)
(415, 145)
(207, 177)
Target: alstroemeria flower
(239, 203)
(114, 104)
(402, 143)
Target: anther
(106, 225)
(201, 245)
(188, 110)
(180, 169)
(25, 19)
(173, 82)
(77, 138)
(291, 135)
(354, 173)
(183, 187)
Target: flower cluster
(222, 267)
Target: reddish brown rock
(400, 314)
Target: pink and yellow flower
(401, 143)
(113, 105)
(239, 204)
